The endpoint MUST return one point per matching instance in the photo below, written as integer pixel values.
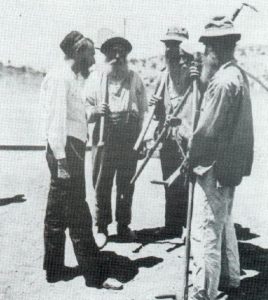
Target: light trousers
(214, 243)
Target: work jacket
(224, 133)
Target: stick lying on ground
(160, 138)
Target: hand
(103, 109)
(194, 72)
(63, 172)
(185, 165)
(154, 100)
(172, 121)
(115, 118)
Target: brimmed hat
(219, 26)
(175, 34)
(72, 42)
(108, 38)
(192, 47)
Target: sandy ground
(160, 270)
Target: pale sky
(32, 29)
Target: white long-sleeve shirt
(64, 107)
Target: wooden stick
(160, 138)
(188, 241)
(150, 115)
(103, 118)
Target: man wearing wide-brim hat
(118, 94)
(176, 81)
(221, 154)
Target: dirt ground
(154, 267)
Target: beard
(172, 57)
(210, 66)
(118, 69)
(85, 65)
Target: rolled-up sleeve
(55, 93)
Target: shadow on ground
(109, 265)
(151, 236)
(16, 199)
(123, 268)
(255, 258)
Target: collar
(227, 64)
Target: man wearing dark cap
(221, 155)
(118, 94)
(66, 129)
(177, 80)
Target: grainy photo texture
(133, 150)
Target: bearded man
(221, 154)
(119, 95)
(177, 80)
(66, 131)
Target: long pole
(188, 239)
(195, 116)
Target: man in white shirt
(124, 94)
(66, 129)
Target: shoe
(112, 284)
(64, 273)
(125, 233)
(200, 295)
(168, 232)
(233, 291)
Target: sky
(31, 30)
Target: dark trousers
(177, 194)
(116, 158)
(67, 208)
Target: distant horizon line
(43, 70)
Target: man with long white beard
(124, 109)
(177, 80)
(221, 154)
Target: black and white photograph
(133, 150)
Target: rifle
(150, 115)
(160, 137)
